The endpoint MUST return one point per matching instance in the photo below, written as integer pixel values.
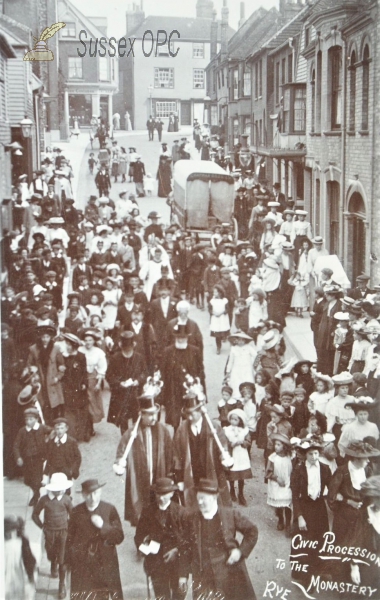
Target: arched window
(335, 69)
(365, 90)
(312, 86)
(352, 76)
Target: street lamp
(26, 127)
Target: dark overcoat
(123, 403)
(91, 552)
(232, 580)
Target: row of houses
(301, 85)
(41, 102)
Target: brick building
(341, 100)
(161, 83)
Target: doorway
(357, 212)
(185, 113)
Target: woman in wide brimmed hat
(360, 349)
(278, 424)
(270, 359)
(96, 364)
(344, 495)
(46, 355)
(74, 384)
(308, 481)
(336, 412)
(361, 427)
(304, 376)
(240, 362)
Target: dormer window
(69, 31)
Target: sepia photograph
(190, 299)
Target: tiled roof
(253, 33)
(290, 29)
(13, 29)
(189, 29)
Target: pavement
(98, 455)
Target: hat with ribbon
(164, 485)
(362, 403)
(343, 378)
(360, 449)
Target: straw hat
(279, 437)
(58, 482)
(344, 378)
(271, 339)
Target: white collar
(94, 508)
(357, 476)
(35, 427)
(51, 496)
(166, 506)
(63, 439)
(196, 427)
(137, 326)
(210, 515)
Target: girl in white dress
(111, 295)
(240, 361)
(324, 391)
(258, 310)
(94, 308)
(279, 469)
(238, 436)
(96, 370)
(220, 323)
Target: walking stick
(120, 465)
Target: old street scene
(190, 299)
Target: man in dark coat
(94, 532)
(179, 360)
(159, 125)
(102, 181)
(81, 269)
(361, 290)
(325, 339)
(164, 175)
(196, 454)
(138, 177)
(126, 375)
(161, 312)
(150, 458)
(150, 125)
(162, 522)
(217, 558)
(190, 326)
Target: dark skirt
(238, 475)
(80, 423)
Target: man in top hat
(196, 453)
(361, 290)
(180, 359)
(217, 557)
(126, 374)
(162, 522)
(94, 532)
(150, 457)
(279, 196)
(162, 310)
(62, 452)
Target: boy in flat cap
(62, 452)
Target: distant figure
(128, 124)
(116, 121)
(150, 125)
(171, 122)
(176, 122)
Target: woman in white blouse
(96, 370)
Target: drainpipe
(343, 151)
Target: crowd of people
(123, 317)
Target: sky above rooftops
(115, 10)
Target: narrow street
(98, 455)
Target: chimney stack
(224, 33)
(242, 14)
(204, 9)
(134, 17)
(213, 36)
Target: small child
(30, 451)
(94, 308)
(299, 298)
(57, 507)
(149, 184)
(286, 401)
(301, 413)
(258, 310)
(324, 391)
(279, 469)
(279, 423)
(226, 404)
(220, 323)
(92, 162)
(216, 237)
(260, 382)
(237, 434)
(241, 315)
(247, 390)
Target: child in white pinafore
(279, 469)
(149, 184)
(220, 322)
(238, 436)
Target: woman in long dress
(112, 295)
(96, 370)
(128, 123)
(19, 562)
(123, 160)
(164, 175)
